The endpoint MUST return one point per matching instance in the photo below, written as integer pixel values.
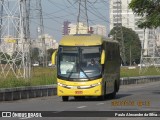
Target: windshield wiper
(70, 74)
(84, 73)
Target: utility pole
(130, 56)
(120, 29)
(82, 17)
(150, 54)
(1, 14)
(14, 41)
(40, 30)
(26, 14)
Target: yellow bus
(87, 65)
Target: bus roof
(83, 40)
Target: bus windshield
(79, 63)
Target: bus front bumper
(79, 90)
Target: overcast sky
(55, 12)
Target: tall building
(71, 28)
(66, 27)
(120, 14)
(82, 29)
(50, 42)
(99, 30)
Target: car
(142, 65)
(35, 64)
(49, 64)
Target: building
(9, 45)
(71, 28)
(99, 30)
(50, 42)
(66, 27)
(83, 29)
(120, 14)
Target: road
(130, 97)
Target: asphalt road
(144, 97)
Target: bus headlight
(62, 85)
(93, 85)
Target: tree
(35, 54)
(4, 57)
(17, 56)
(149, 10)
(131, 43)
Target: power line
(100, 17)
(94, 9)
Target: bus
(76, 75)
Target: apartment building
(120, 14)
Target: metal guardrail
(139, 80)
(9, 94)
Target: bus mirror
(54, 57)
(103, 57)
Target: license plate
(78, 92)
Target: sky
(55, 12)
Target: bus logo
(6, 114)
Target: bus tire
(65, 98)
(101, 98)
(113, 94)
(118, 84)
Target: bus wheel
(65, 98)
(118, 84)
(113, 94)
(101, 98)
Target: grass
(47, 76)
(39, 76)
(151, 71)
(43, 76)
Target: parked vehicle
(35, 64)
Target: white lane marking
(81, 106)
(99, 103)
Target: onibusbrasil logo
(21, 114)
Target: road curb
(10, 94)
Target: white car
(141, 65)
(35, 64)
(50, 64)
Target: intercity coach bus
(87, 65)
